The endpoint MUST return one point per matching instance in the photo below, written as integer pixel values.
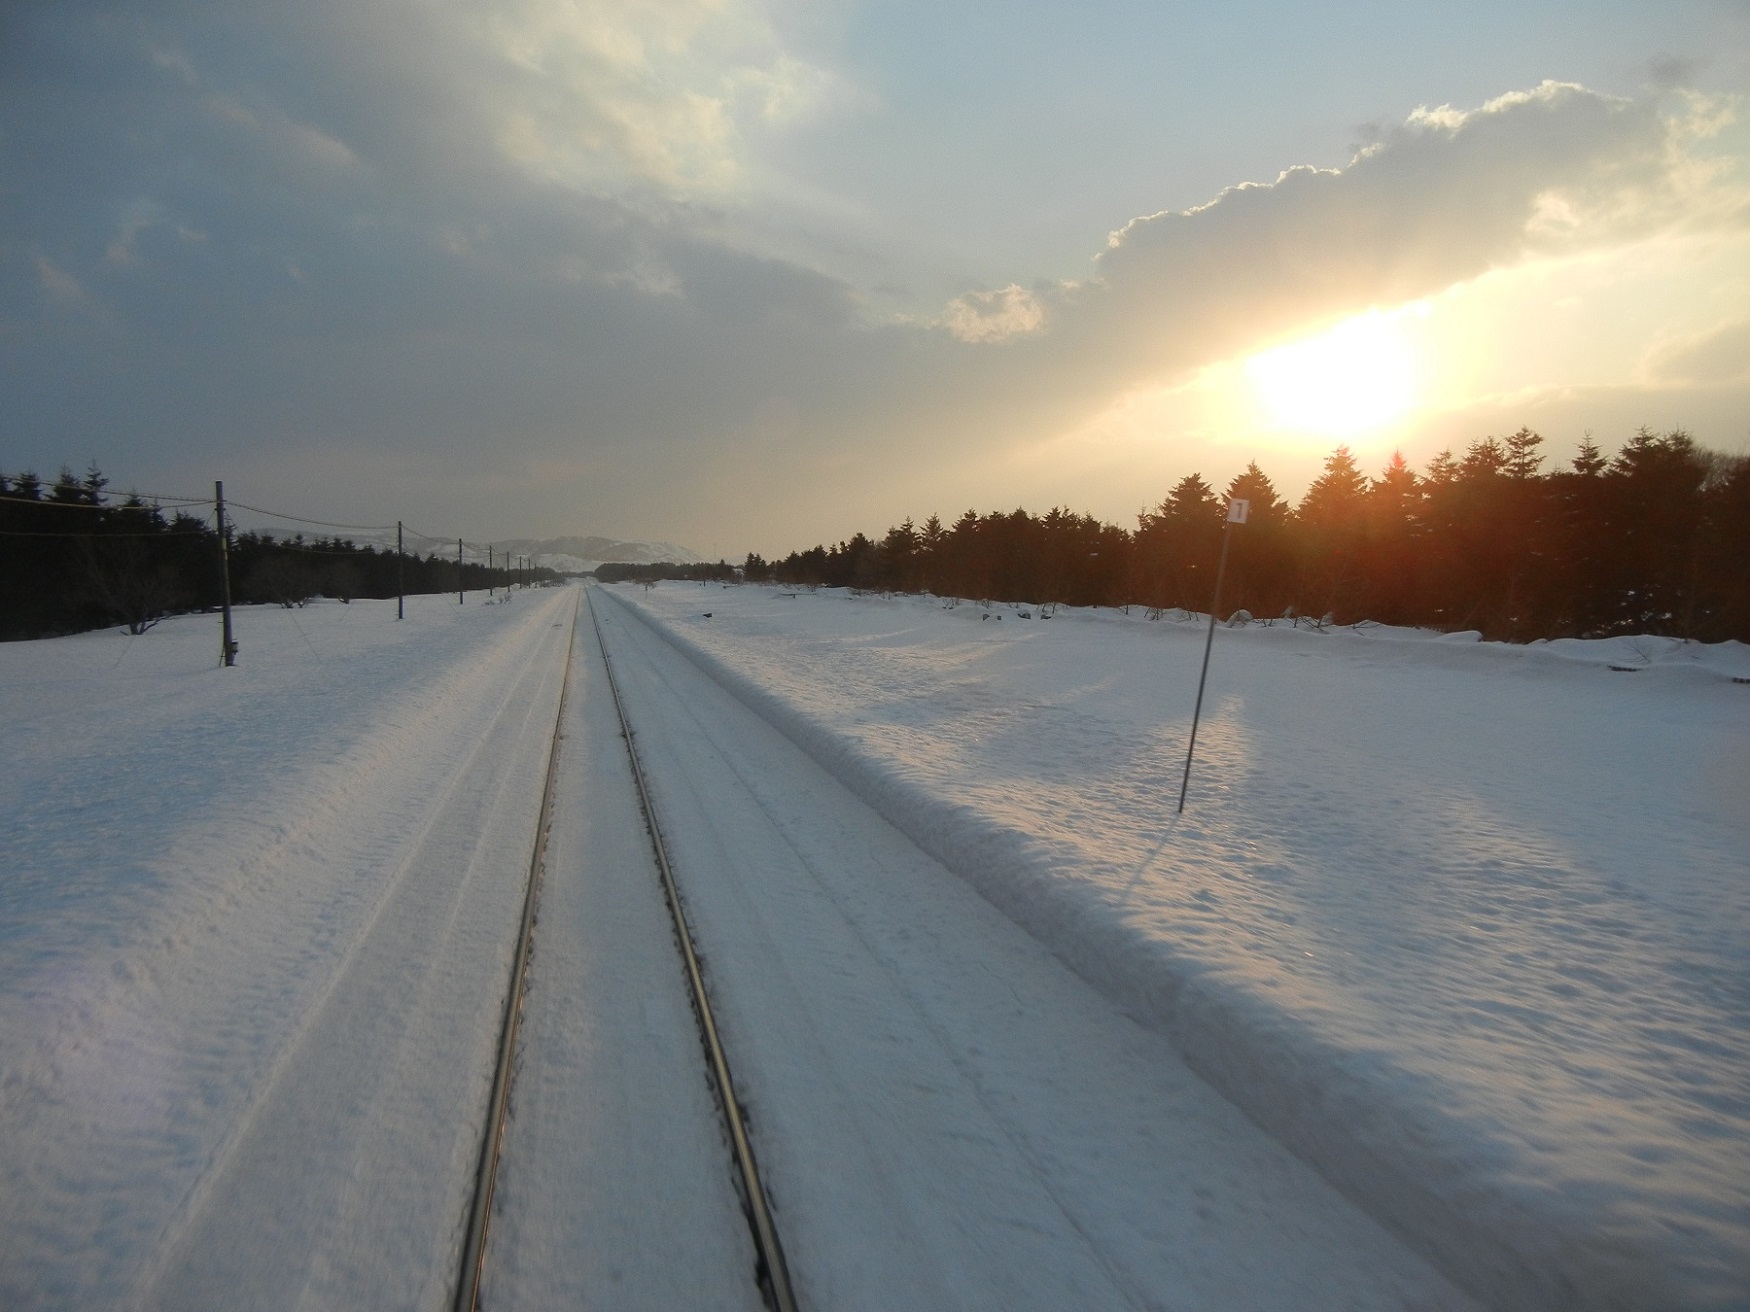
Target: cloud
(1669, 72)
(994, 316)
(1439, 200)
(469, 237)
(137, 216)
(60, 288)
(1445, 196)
(1721, 355)
(620, 92)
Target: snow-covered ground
(946, 1115)
(255, 927)
(1465, 925)
(1462, 926)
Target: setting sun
(1356, 376)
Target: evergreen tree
(1177, 544)
(1332, 516)
(1654, 495)
(1261, 555)
(1521, 452)
(1390, 579)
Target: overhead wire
(25, 533)
(301, 519)
(153, 502)
(146, 505)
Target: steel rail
(486, 1174)
(773, 1273)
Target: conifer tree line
(1653, 540)
(73, 558)
(616, 571)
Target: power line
(145, 507)
(166, 534)
(157, 501)
(300, 519)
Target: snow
(945, 1115)
(1435, 995)
(614, 1188)
(257, 925)
(1463, 924)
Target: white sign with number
(1237, 510)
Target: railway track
(486, 1177)
(772, 1273)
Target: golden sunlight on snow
(1357, 376)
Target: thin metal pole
(489, 569)
(400, 577)
(227, 645)
(1208, 642)
(460, 598)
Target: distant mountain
(580, 555)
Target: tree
(279, 578)
(1254, 485)
(1261, 558)
(1579, 522)
(1722, 583)
(1654, 509)
(1390, 579)
(1176, 545)
(1522, 457)
(1588, 462)
(899, 557)
(128, 574)
(1333, 516)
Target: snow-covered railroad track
(945, 1115)
(486, 1173)
(773, 1274)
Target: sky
(748, 275)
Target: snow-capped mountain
(579, 555)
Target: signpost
(1238, 508)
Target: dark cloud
(1671, 72)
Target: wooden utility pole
(1237, 510)
(489, 583)
(400, 577)
(227, 644)
(460, 598)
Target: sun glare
(1355, 377)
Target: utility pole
(489, 580)
(227, 645)
(1237, 510)
(460, 598)
(400, 577)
